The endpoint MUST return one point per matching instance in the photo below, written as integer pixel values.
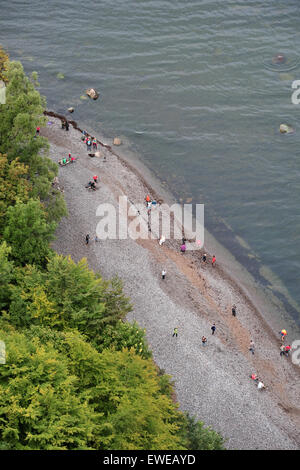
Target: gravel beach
(211, 382)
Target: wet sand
(212, 382)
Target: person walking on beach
(213, 261)
(204, 340)
(233, 310)
(261, 385)
(175, 333)
(87, 239)
(251, 346)
(163, 274)
(204, 257)
(67, 125)
(94, 143)
(287, 350)
(88, 144)
(282, 350)
(213, 329)
(95, 178)
(183, 248)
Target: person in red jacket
(213, 261)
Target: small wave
(286, 66)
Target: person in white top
(163, 274)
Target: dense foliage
(77, 375)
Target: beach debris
(285, 129)
(92, 93)
(117, 141)
(60, 76)
(71, 110)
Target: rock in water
(285, 129)
(71, 110)
(117, 141)
(92, 93)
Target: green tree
(14, 186)
(3, 64)
(125, 335)
(6, 276)
(28, 233)
(67, 295)
(39, 406)
(19, 118)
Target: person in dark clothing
(175, 332)
(67, 126)
(233, 310)
(213, 329)
(87, 239)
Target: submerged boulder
(92, 93)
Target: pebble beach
(211, 382)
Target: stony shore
(212, 382)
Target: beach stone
(117, 141)
(98, 154)
(92, 93)
(71, 110)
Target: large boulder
(92, 93)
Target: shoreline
(203, 297)
(253, 284)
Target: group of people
(284, 350)
(65, 161)
(91, 142)
(65, 125)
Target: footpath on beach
(212, 381)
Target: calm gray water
(192, 87)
